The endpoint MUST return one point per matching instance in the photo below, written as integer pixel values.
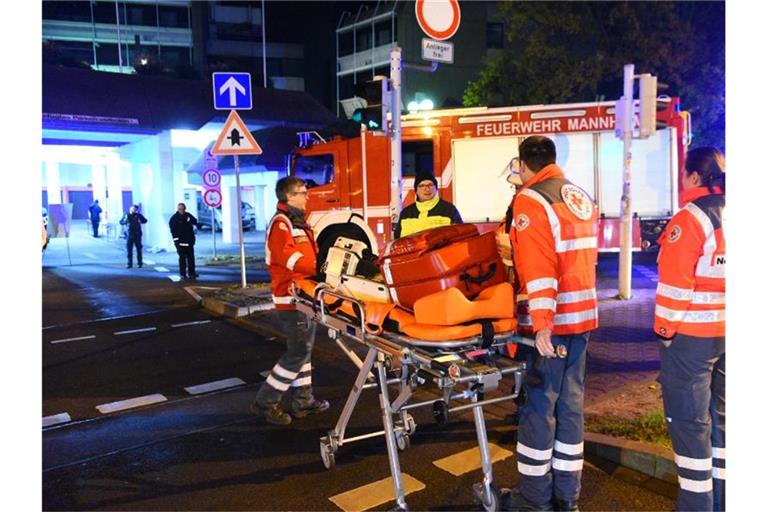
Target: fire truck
(468, 150)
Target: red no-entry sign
(439, 19)
(212, 198)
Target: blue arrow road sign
(232, 91)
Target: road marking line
(162, 269)
(265, 373)
(197, 322)
(175, 278)
(90, 255)
(130, 403)
(213, 386)
(56, 419)
(149, 262)
(65, 340)
(133, 331)
(374, 494)
(469, 460)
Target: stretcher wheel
(327, 453)
(490, 503)
(403, 441)
(440, 412)
(410, 424)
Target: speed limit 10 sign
(212, 178)
(212, 198)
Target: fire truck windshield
(316, 170)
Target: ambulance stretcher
(463, 369)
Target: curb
(651, 460)
(222, 308)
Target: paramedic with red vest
(291, 253)
(554, 243)
(690, 320)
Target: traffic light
(648, 87)
(376, 94)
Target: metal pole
(263, 53)
(395, 71)
(240, 222)
(93, 45)
(213, 230)
(363, 131)
(625, 254)
(119, 41)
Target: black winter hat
(424, 176)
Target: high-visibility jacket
(554, 243)
(420, 216)
(291, 254)
(690, 296)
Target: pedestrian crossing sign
(235, 138)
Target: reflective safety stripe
(306, 381)
(718, 473)
(529, 470)
(673, 315)
(282, 372)
(569, 449)
(293, 259)
(703, 317)
(267, 254)
(702, 218)
(579, 296)
(306, 368)
(708, 298)
(575, 318)
(576, 244)
(535, 304)
(695, 464)
(297, 232)
(673, 292)
(541, 284)
(689, 485)
(280, 386)
(567, 465)
(718, 453)
(525, 320)
(282, 300)
(533, 453)
(183, 244)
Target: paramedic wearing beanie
(429, 211)
(291, 254)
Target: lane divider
(148, 262)
(130, 403)
(197, 322)
(66, 340)
(214, 386)
(469, 460)
(56, 419)
(374, 494)
(134, 331)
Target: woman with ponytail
(690, 322)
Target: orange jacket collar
(694, 193)
(548, 172)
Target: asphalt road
(206, 451)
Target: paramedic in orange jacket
(554, 244)
(291, 253)
(690, 320)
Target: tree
(561, 52)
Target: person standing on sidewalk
(690, 320)
(554, 244)
(94, 212)
(183, 232)
(133, 219)
(291, 253)
(429, 210)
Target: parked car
(204, 216)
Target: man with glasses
(429, 210)
(291, 254)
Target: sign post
(625, 255)
(212, 182)
(235, 139)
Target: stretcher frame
(449, 365)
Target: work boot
(271, 413)
(129, 266)
(314, 407)
(512, 499)
(565, 505)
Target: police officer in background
(291, 254)
(429, 210)
(554, 243)
(690, 320)
(182, 226)
(133, 219)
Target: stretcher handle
(560, 350)
(326, 291)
